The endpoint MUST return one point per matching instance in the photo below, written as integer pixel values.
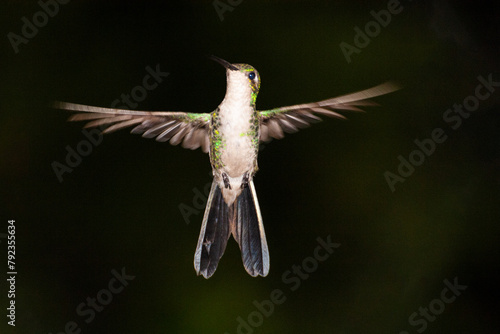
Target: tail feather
(244, 221)
(214, 233)
(248, 230)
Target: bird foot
(244, 184)
(226, 181)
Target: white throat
(238, 91)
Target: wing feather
(121, 125)
(274, 122)
(190, 129)
(274, 129)
(102, 121)
(168, 133)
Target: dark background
(120, 206)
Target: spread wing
(290, 119)
(189, 128)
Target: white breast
(238, 154)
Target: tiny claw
(226, 181)
(244, 184)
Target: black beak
(224, 63)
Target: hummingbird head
(243, 80)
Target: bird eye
(251, 75)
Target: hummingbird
(231, 135)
